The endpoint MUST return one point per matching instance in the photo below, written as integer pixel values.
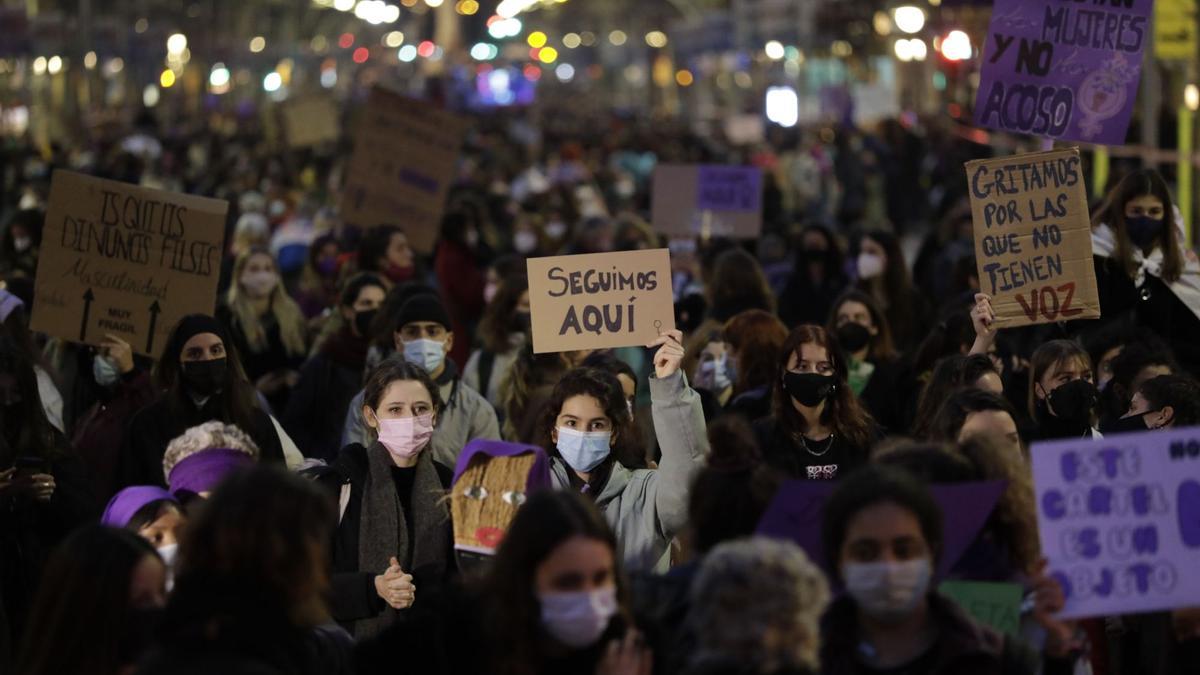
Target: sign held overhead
(1033, 237)
(600, 300)
(708, 200)
(127, 260)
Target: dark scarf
(346, 349)
(383, 531)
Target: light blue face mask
(428, 354)
(583, 450)
(105, 371)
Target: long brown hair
(545, 522)
(496, 328)
(842, 413)
(1141, 183)
(881, 348)
(758, 337)
(738, 283)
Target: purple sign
(729, 188)
(1063, 70)
(798, 508)
(1119, 520)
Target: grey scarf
(383, 532)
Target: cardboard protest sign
(707, 200)
(405, 157)
(127, 260)
(600, 300)
(797, 512)
(1063, 70)
(997, 605)
(1119, 520)
(310, 120)
(1033, 237)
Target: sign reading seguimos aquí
(127, 260)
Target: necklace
(828, 444)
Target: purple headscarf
(122, 507)
(202, 471)
(539, 475)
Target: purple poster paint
(1119, 520)
(797, 511)
(1063, 70)
(729, 188)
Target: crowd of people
(357, 464)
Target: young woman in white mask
(553, 602)
(883, 536)
(393, 543)
(594, 450)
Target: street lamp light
(909, 18)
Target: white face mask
(489, 291)
(869, 265)
(168, 553)
(578, 619)
(525, 242)
(22, 244)
(259, 284)
(556, 229)
(713, 375)
(428, 354)
(888, 591)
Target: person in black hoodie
(202, 380)
(331, 378)
(250, 588)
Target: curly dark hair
(606, 389)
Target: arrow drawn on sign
(88, 297)
(154, 310)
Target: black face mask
(205, 377)
(815, 256)
(1125, 425)
(1074, 401)
(809, 389)
(853, 336)
(363, 321)
(1143, 231)
(521, 322)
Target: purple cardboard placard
(1119, 520)
(797, 512)
(1063, 70)
(729, 188)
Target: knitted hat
(425, 307)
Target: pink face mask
(404, 437)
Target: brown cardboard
(1033, 237)
(677, 210)
(405, 157)
(127, 260)
(310, 120)
(570, 310)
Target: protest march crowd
(358, 456)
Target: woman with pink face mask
(394, 543)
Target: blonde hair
(292, 329)
(206, 437)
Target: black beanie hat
(424, 307)
(189, 327)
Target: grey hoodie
(648, 507)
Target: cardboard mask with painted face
(491, 482)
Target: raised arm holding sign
(125, 261)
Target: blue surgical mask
(105, 371)
(428, 354)
(584, 450)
